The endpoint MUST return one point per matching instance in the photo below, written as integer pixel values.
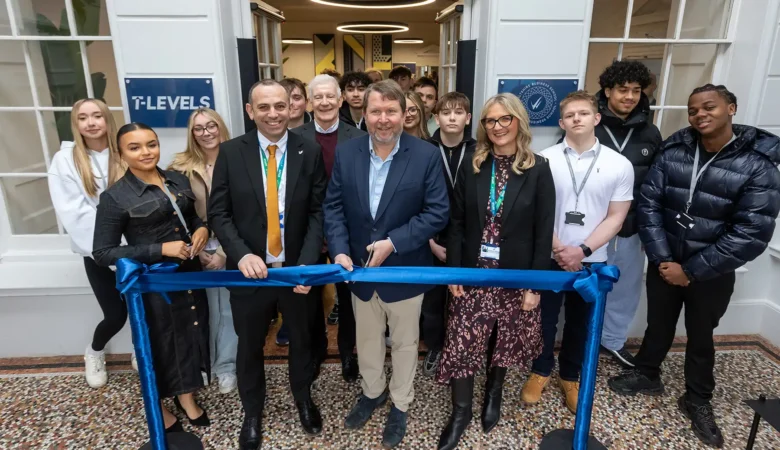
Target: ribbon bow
(596, 280)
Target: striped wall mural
(354, 52)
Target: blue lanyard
(495, 204)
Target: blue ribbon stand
(134, 279)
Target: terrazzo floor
(59, 411)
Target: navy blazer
(413, 208)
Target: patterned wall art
(382, 52)
(324, 52)
(354, 52)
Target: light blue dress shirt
(377, 175)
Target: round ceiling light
(375, 4)
(373, 27)
(409, 41)
(297, 41)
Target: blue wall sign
(167, 102)
(540, 97)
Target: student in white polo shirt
(593, 190)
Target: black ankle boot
(491, 407)
(462, 393)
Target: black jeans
(575, 332)
(433, 327)
(705, 303)
(346, 332)
(251, 319)
(103, 283)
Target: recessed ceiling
(308, 11)
(375, 4)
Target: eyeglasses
(211, 127)
(505, 121)
(412, 110)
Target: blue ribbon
(134, 278)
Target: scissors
(370, 254)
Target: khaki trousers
(403, 317)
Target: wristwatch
(586, 250)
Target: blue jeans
(627, 254)
(223, 342)
(575, 333)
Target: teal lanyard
(279, 171)
(495, 204)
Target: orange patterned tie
(272, 206)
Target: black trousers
(347, 336)
(433, 327)
(251, 318)
(103, 283)
(705, 303)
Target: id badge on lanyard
(575, 217)
(489, 251)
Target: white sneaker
(95, 366)
(134, 362)
(227, 382)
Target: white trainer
(227, 383)
(95, 366)
(134, 362)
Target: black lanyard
(584, 180)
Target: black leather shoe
(251, 435)
(311, 420)
(201, 421)
(702, 421)
(349, 369)
(462, 393)
(632, 382)
(175, 428)
(494, 390)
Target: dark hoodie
(734, 207)
(453, 156)
(345, 116)
(640, 150)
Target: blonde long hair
(524, 156)
(193, 157)
(81, 159)
(422, 125)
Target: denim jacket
(144, 215)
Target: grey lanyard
(103, 179)
(172, 199)
(696, 173)
(619, 147)
(453, 179)
(585, 179)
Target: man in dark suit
(266, 210)
(386, 198)
(327, 129)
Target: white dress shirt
(321, 130)
(281, 152)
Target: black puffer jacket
(346, 116)
(640, 149)
(734, 206)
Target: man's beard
(394, 138)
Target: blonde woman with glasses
(79, 173)
(205, 131)
(502, 217)
(413, 117)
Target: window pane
(28, 204)
(21, 149)
(41, 17)
(91, 17)
(56, 134)
(691, 67)
(5, 23)
(673, 120)
(15, 85)
(102, 66)
(706, 19)
(270, 30)
(59, 73)
(652, 19)
(609, 18)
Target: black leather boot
(491, 407)
(462, 393)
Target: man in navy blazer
(386, 198)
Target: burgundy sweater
(328, 143)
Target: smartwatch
(586, 250)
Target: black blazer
(345, 132)
(236, 209)
(527, 220)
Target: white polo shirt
(611, 180)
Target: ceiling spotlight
(297, 41)
(375, 4)
(373, 27)
(409, 41)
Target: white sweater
(75, 209)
